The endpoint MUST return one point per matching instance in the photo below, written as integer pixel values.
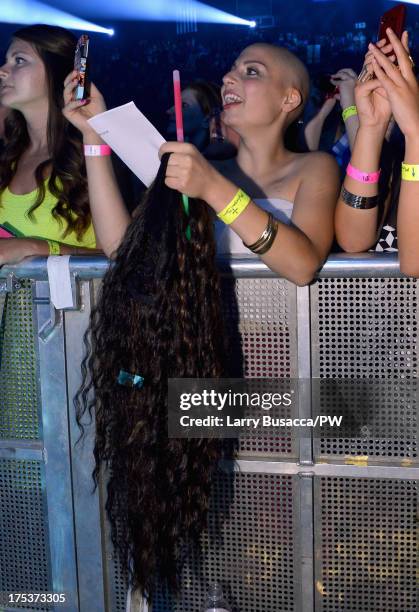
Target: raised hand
(78, 112)
(346, 80)
(399, 84)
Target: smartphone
(80, 64)
(395, 19)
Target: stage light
(157, 10)
(252, 24)
(31, 11)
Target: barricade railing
(321, 524)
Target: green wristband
(54, 247)
(350, 111)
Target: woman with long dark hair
(43, 187)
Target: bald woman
(270, 201)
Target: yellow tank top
(13, 215)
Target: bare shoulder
(318, 161)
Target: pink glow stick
(178, 106)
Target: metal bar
(29, 450)
(306, 535)
(257, 466)
(343, 265)
(304, 370)
(57, 465)
(87, 517)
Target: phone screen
(80, 64)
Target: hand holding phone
(395, 19)
(80, 65)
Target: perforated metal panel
(260, 315)
(251, 551)
(367, 554)
(366, 329)
(18, 388)
(24, 560)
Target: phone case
(80, 64)
(395, 19)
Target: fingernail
(370, 46)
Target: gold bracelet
(234, 208)
(266, 239)
(410, 172)
(54, 247)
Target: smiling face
(22, 77)
(267, 85)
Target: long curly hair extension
(159, 316)
(67, 182)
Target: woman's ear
(292, 100)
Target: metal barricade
(312, 524)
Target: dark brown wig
(55, 46)
(158, 316)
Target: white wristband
(97, 150)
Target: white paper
(60, 290)
(133, 138)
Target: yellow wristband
(350, 111)
(54, 247)
(410, 172)
(234, 208)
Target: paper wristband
(234, 208)
(363, 177)
(410, 172)
(350, 111)
(97, 150)
(54, 247)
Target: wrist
(412, 140)
(411, 155)
(92, 138)
(373, 135)
(219, 191)
(347, 102)
(35, 247)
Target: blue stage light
(156, 10)
(252, 24)
(31, 11)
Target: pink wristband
(97, 150)
(363, 177)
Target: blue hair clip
(130, 380)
